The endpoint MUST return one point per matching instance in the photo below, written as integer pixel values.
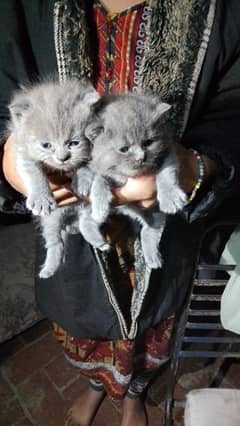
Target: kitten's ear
(162, 109)
(161, 113)
(96, 126)
(93, 129)
(91, 97)
(99, 107)
(18, 108)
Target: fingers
(60, 186)
(64, 196)
(146, 204)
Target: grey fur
(55, 114)
(131, 136)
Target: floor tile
(6, 392)
(117, 405)
(73, 391)
(155, 415)
(107, 415)
(179, 392)
(33, 357)
(61, 372)
(157, 390)
(10, 412)
(198, 378)
(10, 348)
(42, 400)
(232, 373)
(179, 417)
(42, 327)
(23, 422)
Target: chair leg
(168, 412)
(169, 402)
(179, 328)
(168, 415)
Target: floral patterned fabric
(116, 362)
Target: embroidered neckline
(121, 46)
(113, 15)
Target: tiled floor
(37, 385)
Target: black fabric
(27, 54)
(214, 125)
(76, 296)
(12, 204)
(26, 47)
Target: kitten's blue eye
(147, 142)
(124, 149)
(46, 145)
(73, 143)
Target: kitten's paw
(51, 266)
(46, 273)
(154, 261)
(100, 244)
(42, 205)
(173, 201)
(94, 237)
(104, 247)
(72, 229)
(83, 188)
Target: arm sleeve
(17, 66)
(217, 134)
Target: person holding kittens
(113, 316)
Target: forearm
(9, 167)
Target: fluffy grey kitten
(131, 136)
(48, 122)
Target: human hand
(141, 190)
(59, 184)
(188, 168)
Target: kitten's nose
(61, 158)
(141, 157)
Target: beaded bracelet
(201, 173)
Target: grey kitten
(48, 122)
(131, 136)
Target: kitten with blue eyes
(131, 136)
(48, 122)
